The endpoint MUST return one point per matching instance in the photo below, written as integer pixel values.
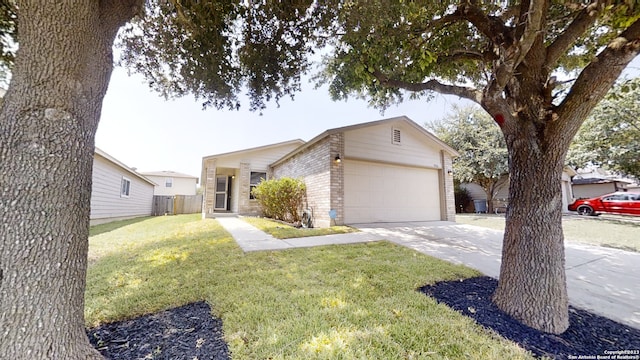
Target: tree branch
(490, 26)
(532, 28)
(581, 23)
(485, 56)
(596, 79)
(432, 85)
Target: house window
(256, 178)
(168, 182)
(125, 187)
(395, 136)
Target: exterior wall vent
(395, 136)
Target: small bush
(462, 197)
(281, 199)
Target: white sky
(142, 130)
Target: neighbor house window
(256, 177)
(395, 136)
(125, 187)
(168, 182)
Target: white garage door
(386, 193)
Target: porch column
(209, 188)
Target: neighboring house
(389, 170)
(586, 188)
(171, 183)
(118, 192)
(501, 197)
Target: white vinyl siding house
(118, 192)
(171, 183)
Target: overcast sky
(142, 130)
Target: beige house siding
(107, 204)
(375, 143)
(179, 185)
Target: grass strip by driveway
(585, 230)
(284, 231)
(331, 302)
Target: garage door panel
(382, 193)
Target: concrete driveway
(602, 280)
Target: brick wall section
(449, 197)
(313, 165)
(246, 206)
(209, 188)
(336, 144)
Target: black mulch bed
(588, 336)
(190, 332)
(186, 332)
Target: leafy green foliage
(8, 33)
(461, 196)
(610, 137)
(411, 42)
(214, 49)
(281, 199)
(483, 153)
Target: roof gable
(417, 129)
(168, 173)
(121, 165)
(298, 142)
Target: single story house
(118, 191)
(501, 197)
(389, 170)
(589, 187)
(171, 183)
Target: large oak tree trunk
(532, 284)
(48, 121)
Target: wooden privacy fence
(178, 204)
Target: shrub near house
(281, 199)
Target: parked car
(616, 203)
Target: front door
(221, 193)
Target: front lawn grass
(586, 230)
(331, 302)
(284, 231)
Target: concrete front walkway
(601, 280)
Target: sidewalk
(249, 238)
(601, 280)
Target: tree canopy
(483, 156)
(217, 49)
(610, 137)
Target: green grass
(284, 231)
(586, 230)
(331, 302)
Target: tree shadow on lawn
(588, 334)
(115, 225)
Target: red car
(617, 203)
